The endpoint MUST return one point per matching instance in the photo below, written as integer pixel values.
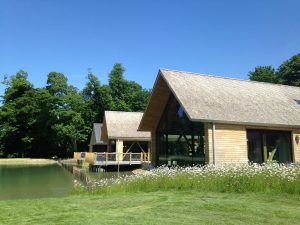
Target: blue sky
(226, 38)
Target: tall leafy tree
(127, 95)
(97, 99)
(264, 74)
(43, 145)
(118, 86)
(18, 116)
(289, 71)
(136, 96)
(57, 84)
(65, 119)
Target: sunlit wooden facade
(199, 119)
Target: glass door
(269, 145)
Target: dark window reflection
(179, 141)
(264, 145)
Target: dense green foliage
(288, 73)
(168, 207)
(57, 119)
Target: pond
(28, 181)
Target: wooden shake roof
(123, 125)
(225, 100)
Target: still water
(27, 181)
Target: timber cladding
(231, 142)
(296, 145)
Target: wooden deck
(110, 159)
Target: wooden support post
(214, 142)
(118, 166)
(149, 148)
(119, 149)
(130, 158)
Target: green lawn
(169, 207)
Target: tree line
(288, 72)
(57, 119)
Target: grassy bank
(271, 178)
(168, 207)
(26, 161)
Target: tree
(136, 96)
(18, 116)
(57, 119)
(43, 145)
(97, 99)
(126, 95)
(264, 74)
(289, 71)
(57, 84)
(65, 120)
(119, 88)
(16, 86)
(117, 82)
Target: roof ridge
(227, 78)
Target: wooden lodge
(121, 143)
(198, 119)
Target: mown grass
(211, 195)
(274, 179)
(168, 207)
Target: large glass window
(179, 141)
(264, 145)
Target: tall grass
(268, 178)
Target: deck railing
(106, 158)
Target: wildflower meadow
(266, 178)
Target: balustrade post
(106, 158)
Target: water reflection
(31, 181)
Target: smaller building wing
(123, 125)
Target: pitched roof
(226, 100)
(96, 134)
(124, 125)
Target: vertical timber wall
(231, 144)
